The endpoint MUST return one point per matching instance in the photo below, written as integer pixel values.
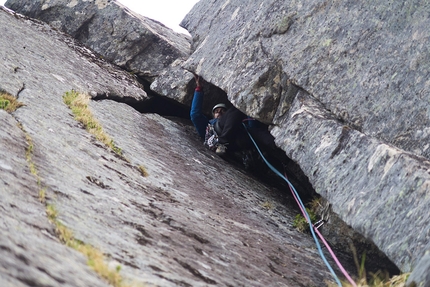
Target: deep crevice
(175, 111)
(179, 112)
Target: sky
(168, 12)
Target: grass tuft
(378, 279)
(268, 205)
(78, 103)
(8, 102)
(95, 258)
(143, 171)
(51, 212)
(29, 154)
(301, 223)
(42, 195)
(29, 157)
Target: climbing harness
(312, 227)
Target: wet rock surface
(195, 220)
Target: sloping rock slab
(138, 44)
(193, 221)
(29, 251)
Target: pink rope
(345, 273)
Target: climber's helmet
(218, 110)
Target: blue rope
(301, 203)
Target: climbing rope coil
(313, 228)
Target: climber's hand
(197, 78)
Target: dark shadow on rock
(258, 169)
(164, 107)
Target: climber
(224, 131)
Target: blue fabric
(199, 120)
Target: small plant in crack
(29, 154)
(78, 103)
(42, 195)
(31, 165)
(8, 102)
(95, 258)
(301, 222)
(143, 170)
(51, 212)
(373, 279)
(268, 205)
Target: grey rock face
(70, 71)
(194, 220)
(421, 275)
(366, 80)
(366, 63)
(175, 83)
(377, 189)
(344, 86)
(138, 44)
(30, 253)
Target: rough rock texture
(175, 83)
(381, 191)
(365, 62)
(138, 44)
(341, 83)
(69, 72)
(344, 85)
(195, 220)
(421, 275)
(30, 254)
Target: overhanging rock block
(138, 44)
(378, 189)
(361, 134)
